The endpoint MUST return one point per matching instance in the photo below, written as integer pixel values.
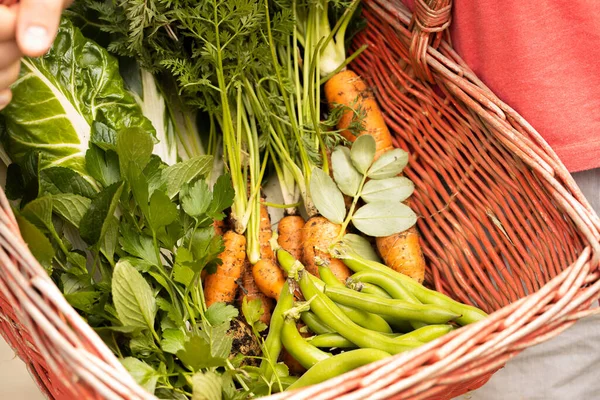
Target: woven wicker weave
(503, 224)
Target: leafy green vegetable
(390, 164)
(40, 246)
(363, 153)
(134, 301)
(327, 197)
(383, 218)
(95, 222)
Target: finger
(8, 23)
(37, 23)
(9, 75)
(5, 98)
(10, 53)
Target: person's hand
(27, 28)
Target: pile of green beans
(378, 312)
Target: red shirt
(543, 59)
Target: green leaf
(363, 152)
(183, 274)
(172, 312)
(253, 311)
(327, 197)
(390, 164)
(39, 212)
(15, 183)
(220, 342)
(206, 247)
(162, 211)
(220, 313)
(177, 175)
(139, 188)
(138, 245)
(143, 345)
(110, 240)
(103, 166)
(103, 136)
(361, 246)
(38, 243)
(173, 340)
(70, 207)
(57, 180)
(346, 176)
(397, 188)
(132, 296)
(383, 218)
(59, 96)
(144, 374)
(197, 354)
(207, 386)
(134, 147)
(222, 197)
(84, 300)
(196, 198)
(95, 222)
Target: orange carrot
(268, 277)
(317, 235)
(290, 235)
(251, 292)
(265, 234)
(401, 251)
(222, 286)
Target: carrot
(348, 89)
(317, 235)
(265, 234)
(401, 251)
(290, 235)
(268, 277)
(251, 292)
(222, 286)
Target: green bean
(331, 314)
(391, 286)
(331, 340)
(356, 263)
(314, 323)
(328, 276)
(426, 333)
(272, 345)
(302, 351)
(369, 288)
(402, 310)
(337, 365)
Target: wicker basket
(503, 224)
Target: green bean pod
(395, 289)
(302, 351)
(314, 323)
(402, 310)
(273, 343)
(338, 365)
(331, 340)
(427, 333)
(356, 263)
(369, 288)
(331, 314)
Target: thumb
(37, 23)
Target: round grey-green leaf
(397, 188)
(383, 218)
(345, 175)
(363, 152)
(326, 196)
(361, 246)
(390, 164)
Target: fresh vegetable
(222, 286)
(317, 236)
(268, 277)
(250, 291)
(290, 231)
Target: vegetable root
(265, 234)
(290, 235)
(268, 277)
(317, 236)
(402, 252)
(222, 285)
(251, 291)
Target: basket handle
(430, 20)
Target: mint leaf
(38, 243)
(161, 212)
(220, 313)
(103, 166)
(70, 207)
(103, 136)
(95, 222)
(144, 374)
(57, 180)
(133, 297)
(177, 175)
(39, 213)
(110, 239)
(222, 197)
(84, 300)
(134, 147)
(196, 198)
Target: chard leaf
(390, 164)
(327, 197)
(161, 212)
(95, 222)
(70, 207)
(133, 298)
(144, 374)
(207, 386)
(55, 180)
(58, 96)
(346, 176)
(383, 218)
(363, 152)
(15, 184)
(177, 175)
(38, 243)
(103, 166)
(397, 188)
